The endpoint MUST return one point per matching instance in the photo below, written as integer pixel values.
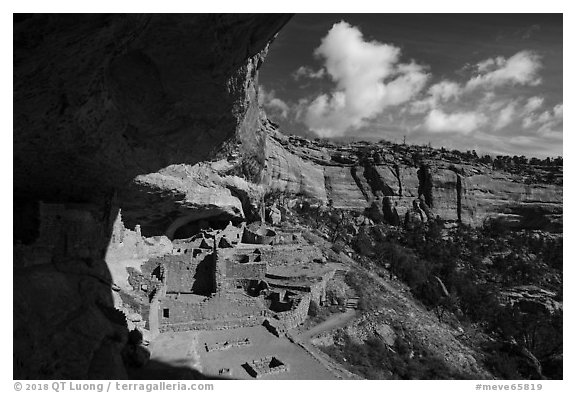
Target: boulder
(386, 334)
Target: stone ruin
(268, 365)
(198, 288)
(274, 326)
(222, 346)
(225, 372)
(209, 281)
(256, 233)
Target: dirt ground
(187, 349)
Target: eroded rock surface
(354, 176)
(100, 99)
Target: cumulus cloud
(489, 64)
(273, 103)
(369, 78)
(559, 111)
(438, 93)
(463, 122)
(506, 116)
(520, 69)
(490, 74)
(308, 72)
(444, 90)
(545, 120)
(447, 103)
(532, 104)
(549, 121)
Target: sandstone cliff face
(288, 172)
(356, 175)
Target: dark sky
(490, 82)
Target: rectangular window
(166, 313)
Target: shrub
(336, 292)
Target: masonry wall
(71, 227)
(218, 311)
(250, 270)
(318, 289)
(185, 247)
(191, 276)
(154, 318)
(231, 233)
(298, 314)
(248, 321)
(71, 230)
(179, 311)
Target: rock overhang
(101, 99)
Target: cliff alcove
(99, 100)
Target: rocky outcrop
(531, 299)
(175, 196)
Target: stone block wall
(218, 312)
(250, 270)
(190, 276)
(173, 311)
(232, 233)
(248, 321)
(298, 314)
(318, 289)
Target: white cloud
(490, 64)
(528, 122)
(273, 103)
(559, 111)
(444, 90)
(544, 117)
(520, 69)
(440, 92)
(308, 72)
(551, 121)
(547, 121)
(420, 106)
(506, 116)
(463, 122)
(280, 105)
(368, 77)
(532, 104)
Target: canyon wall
(356, 175)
